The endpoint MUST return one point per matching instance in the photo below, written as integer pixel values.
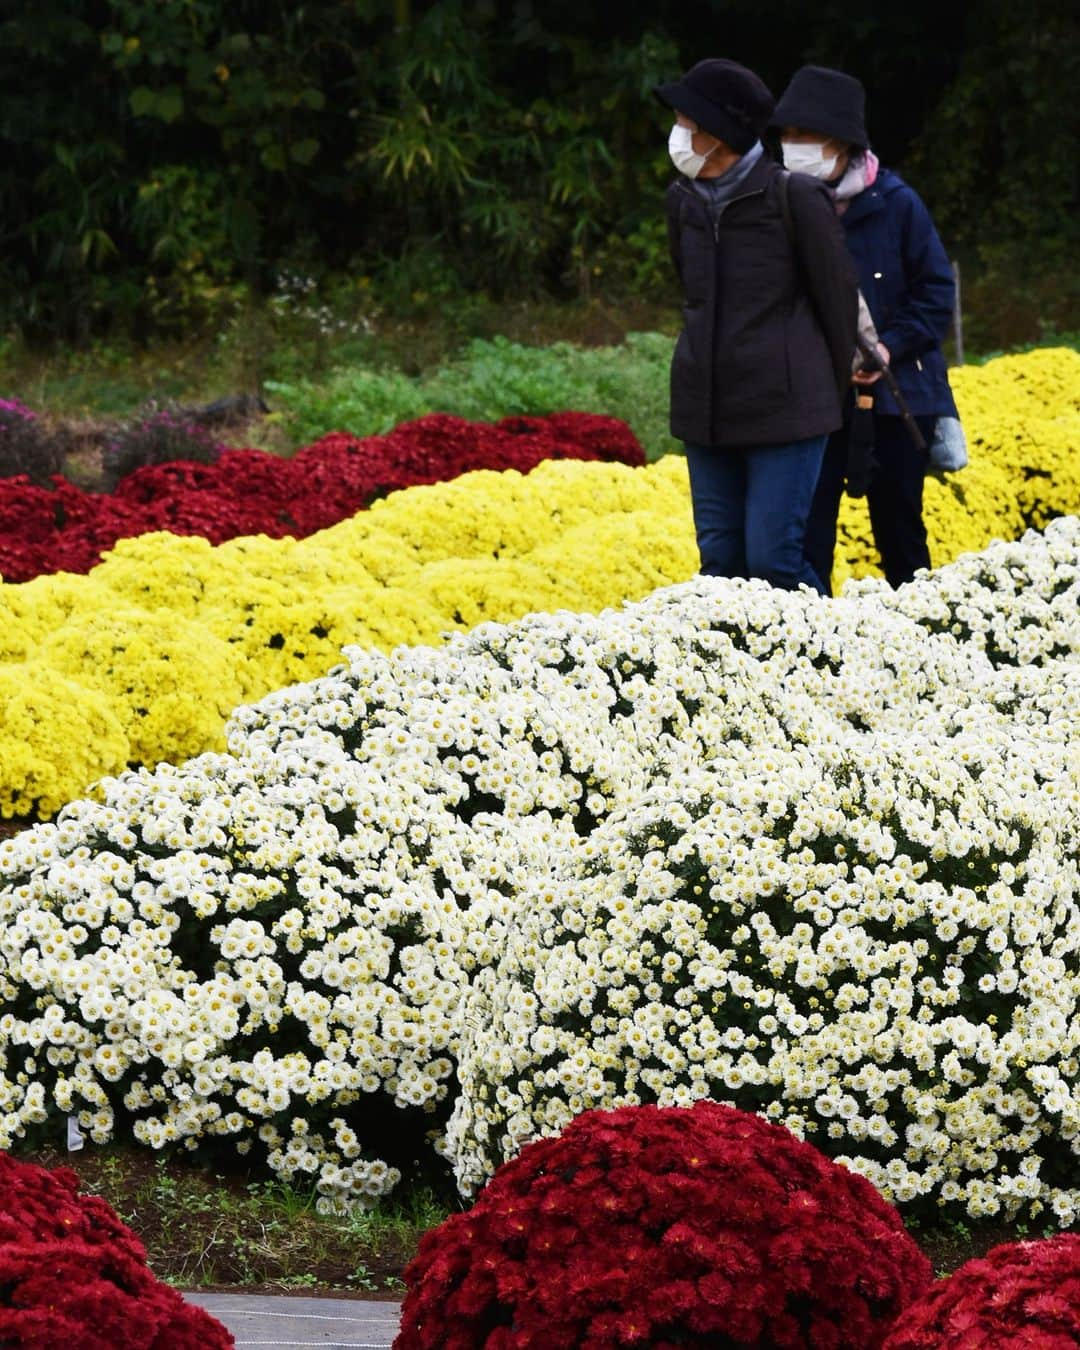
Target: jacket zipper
(742, 197)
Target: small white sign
(75, 1138)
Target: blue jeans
(751, 508)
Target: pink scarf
(859, 175)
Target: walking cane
(872, 361)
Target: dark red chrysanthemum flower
(554, 1253)
(73, 1275)
(1018, 1294)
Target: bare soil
(213, 1231)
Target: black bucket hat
(724, 99)
(826, 101)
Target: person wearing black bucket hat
(907, 282)
(725, 99)
(764, 357)
(830, 101)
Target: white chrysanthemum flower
(819, 859)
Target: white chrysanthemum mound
(816, 858)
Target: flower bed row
(817, 859)
(143, 659)
(64, 529)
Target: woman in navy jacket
(907, 281)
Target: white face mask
(807, 158)
(683, 155)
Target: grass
(494, 378)
(260, 344)
(204, 1229)
(487, 362)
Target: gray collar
(717, 192)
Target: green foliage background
(489, 380)
(165, 159)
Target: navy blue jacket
(908, 283)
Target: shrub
(815, 858)
(73, 1275)
(26, 445)
(663, 1227)
(1021, 1294)
(158, 438)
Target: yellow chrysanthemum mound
(142, 659)
(170, 633)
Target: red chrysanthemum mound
(1025, 1295)
(60, 528)
(665, 1227)
(73, 1275)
